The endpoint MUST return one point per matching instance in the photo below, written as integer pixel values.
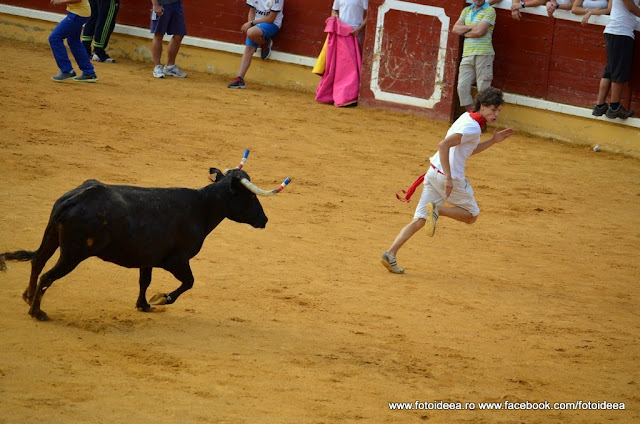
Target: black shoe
(238, 82)
(64, 76)
(87, 78)
(599, 110)
(621, 113)
(99, 55)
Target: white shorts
(433, 192)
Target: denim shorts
(268, 31)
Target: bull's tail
(19, 255)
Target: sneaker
(87, 78)
(158, 72)
(102, 57)
(64, 76)
(173, 71)
(432, 217)
(238, 82)
(600, 110)
(621, 113)
(391, 264)
(265, 49)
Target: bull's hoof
(40, 315)
(145, 308)
(159, 299)
(28, 299)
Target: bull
(137, 227)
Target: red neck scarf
(476, 116)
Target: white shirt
(351, 12)
(621, 21)
(265, 7)
(458, 155)
(595, 4)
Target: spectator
(263, 22)
(99, 28)
(445, 181)
(167, 17)
(476, 25)
(553, 5)
(590, 8)
(70, 28)
(518, 5)
(619, 39)
(353, 13)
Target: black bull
(138, 227)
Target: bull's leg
(47, 248)
(145, 280)
(59, 270)
(182, 271)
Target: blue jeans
(71, 29)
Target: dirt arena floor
(300, 323)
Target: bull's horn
(244, 159)
(260, 192)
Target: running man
(445, 180)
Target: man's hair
(488, 97)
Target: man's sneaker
(621, 113)
(265, 49)
(87, 78)
(600, 110)
(238, 82)
(158, 72)
(102, 56)
(432, 217)
(173, 71)
(391, 264)
(64, 76)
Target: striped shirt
(481, 45)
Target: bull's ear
(215, 175)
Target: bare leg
(174, 46)
(245, 62)
(605, 85)
(156, 49)
(616, 91)
(405, 234)
(457, 213)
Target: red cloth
(407, 194)
(340, 82)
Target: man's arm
(631, 6)
(250, 19)
(460, 28)
(498, 136)
(443, 148)
(518, 5)
(479, 30)
(65, 1)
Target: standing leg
(47, 248)
(90, 26)
(603, 91)
(145, 280)
(484, 71)
(466, 77)
(245, 62)
(405, 234)
(77, 49)
(65, 265)
(174, 47)
(156, 48)
(104, 28)
(56, 40)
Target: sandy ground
(300, 323)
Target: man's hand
(158, 9)
(245, 27)
(585, 18)
(499, 136)
(448, 187)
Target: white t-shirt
(595, 4)
(265, 7)
(621, 21)
(351, 12)
(458, 155)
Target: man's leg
(605, 85)
(56, 41)
(245, 62)
(466, 77)
(457, 213)
(156, 48)
(616, 91)
(174, 47)
(405, 234)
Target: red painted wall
(541, 57)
